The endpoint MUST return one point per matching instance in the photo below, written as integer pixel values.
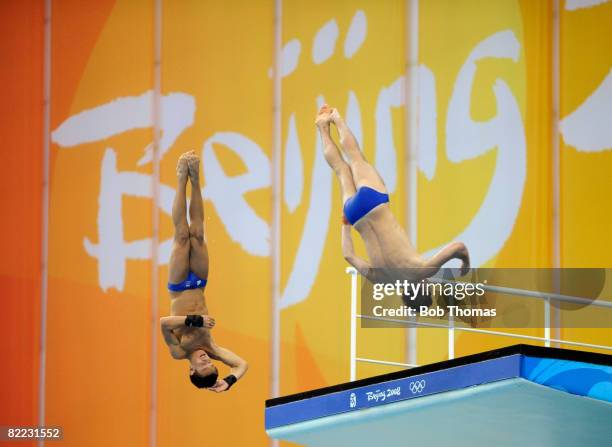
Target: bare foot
(193, 162)
(182, 168)
(323, 117)
(335, 116)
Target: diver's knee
(197, 232)
(181, 234)
(342, 170)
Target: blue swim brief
(364, 201)
(193, 281)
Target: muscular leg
(332, 155)
(198, 260)
(364, 174)
(179, 258)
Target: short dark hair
(204, 381)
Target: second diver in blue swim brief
(192, 281)
(364, 201)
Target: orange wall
(99, 345)
(21, 166)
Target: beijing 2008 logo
(417, 386)
(353, 400)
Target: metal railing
(547, 339)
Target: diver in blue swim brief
(192, 281)
(364, 201)
(366, 208)
(187, 331)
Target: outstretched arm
(362, 266)
(238, 367)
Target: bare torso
(191, 302)
(386, 242)
(391, 254)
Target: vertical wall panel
(586, 142)
(217, 57)
(352, 56)
(487, 180)
(98, 350)
(21, 163)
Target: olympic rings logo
(417, 386)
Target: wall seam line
(42, 378)
(155, 181)
(276, 205)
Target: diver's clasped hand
(199, 321)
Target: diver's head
(202, 372)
